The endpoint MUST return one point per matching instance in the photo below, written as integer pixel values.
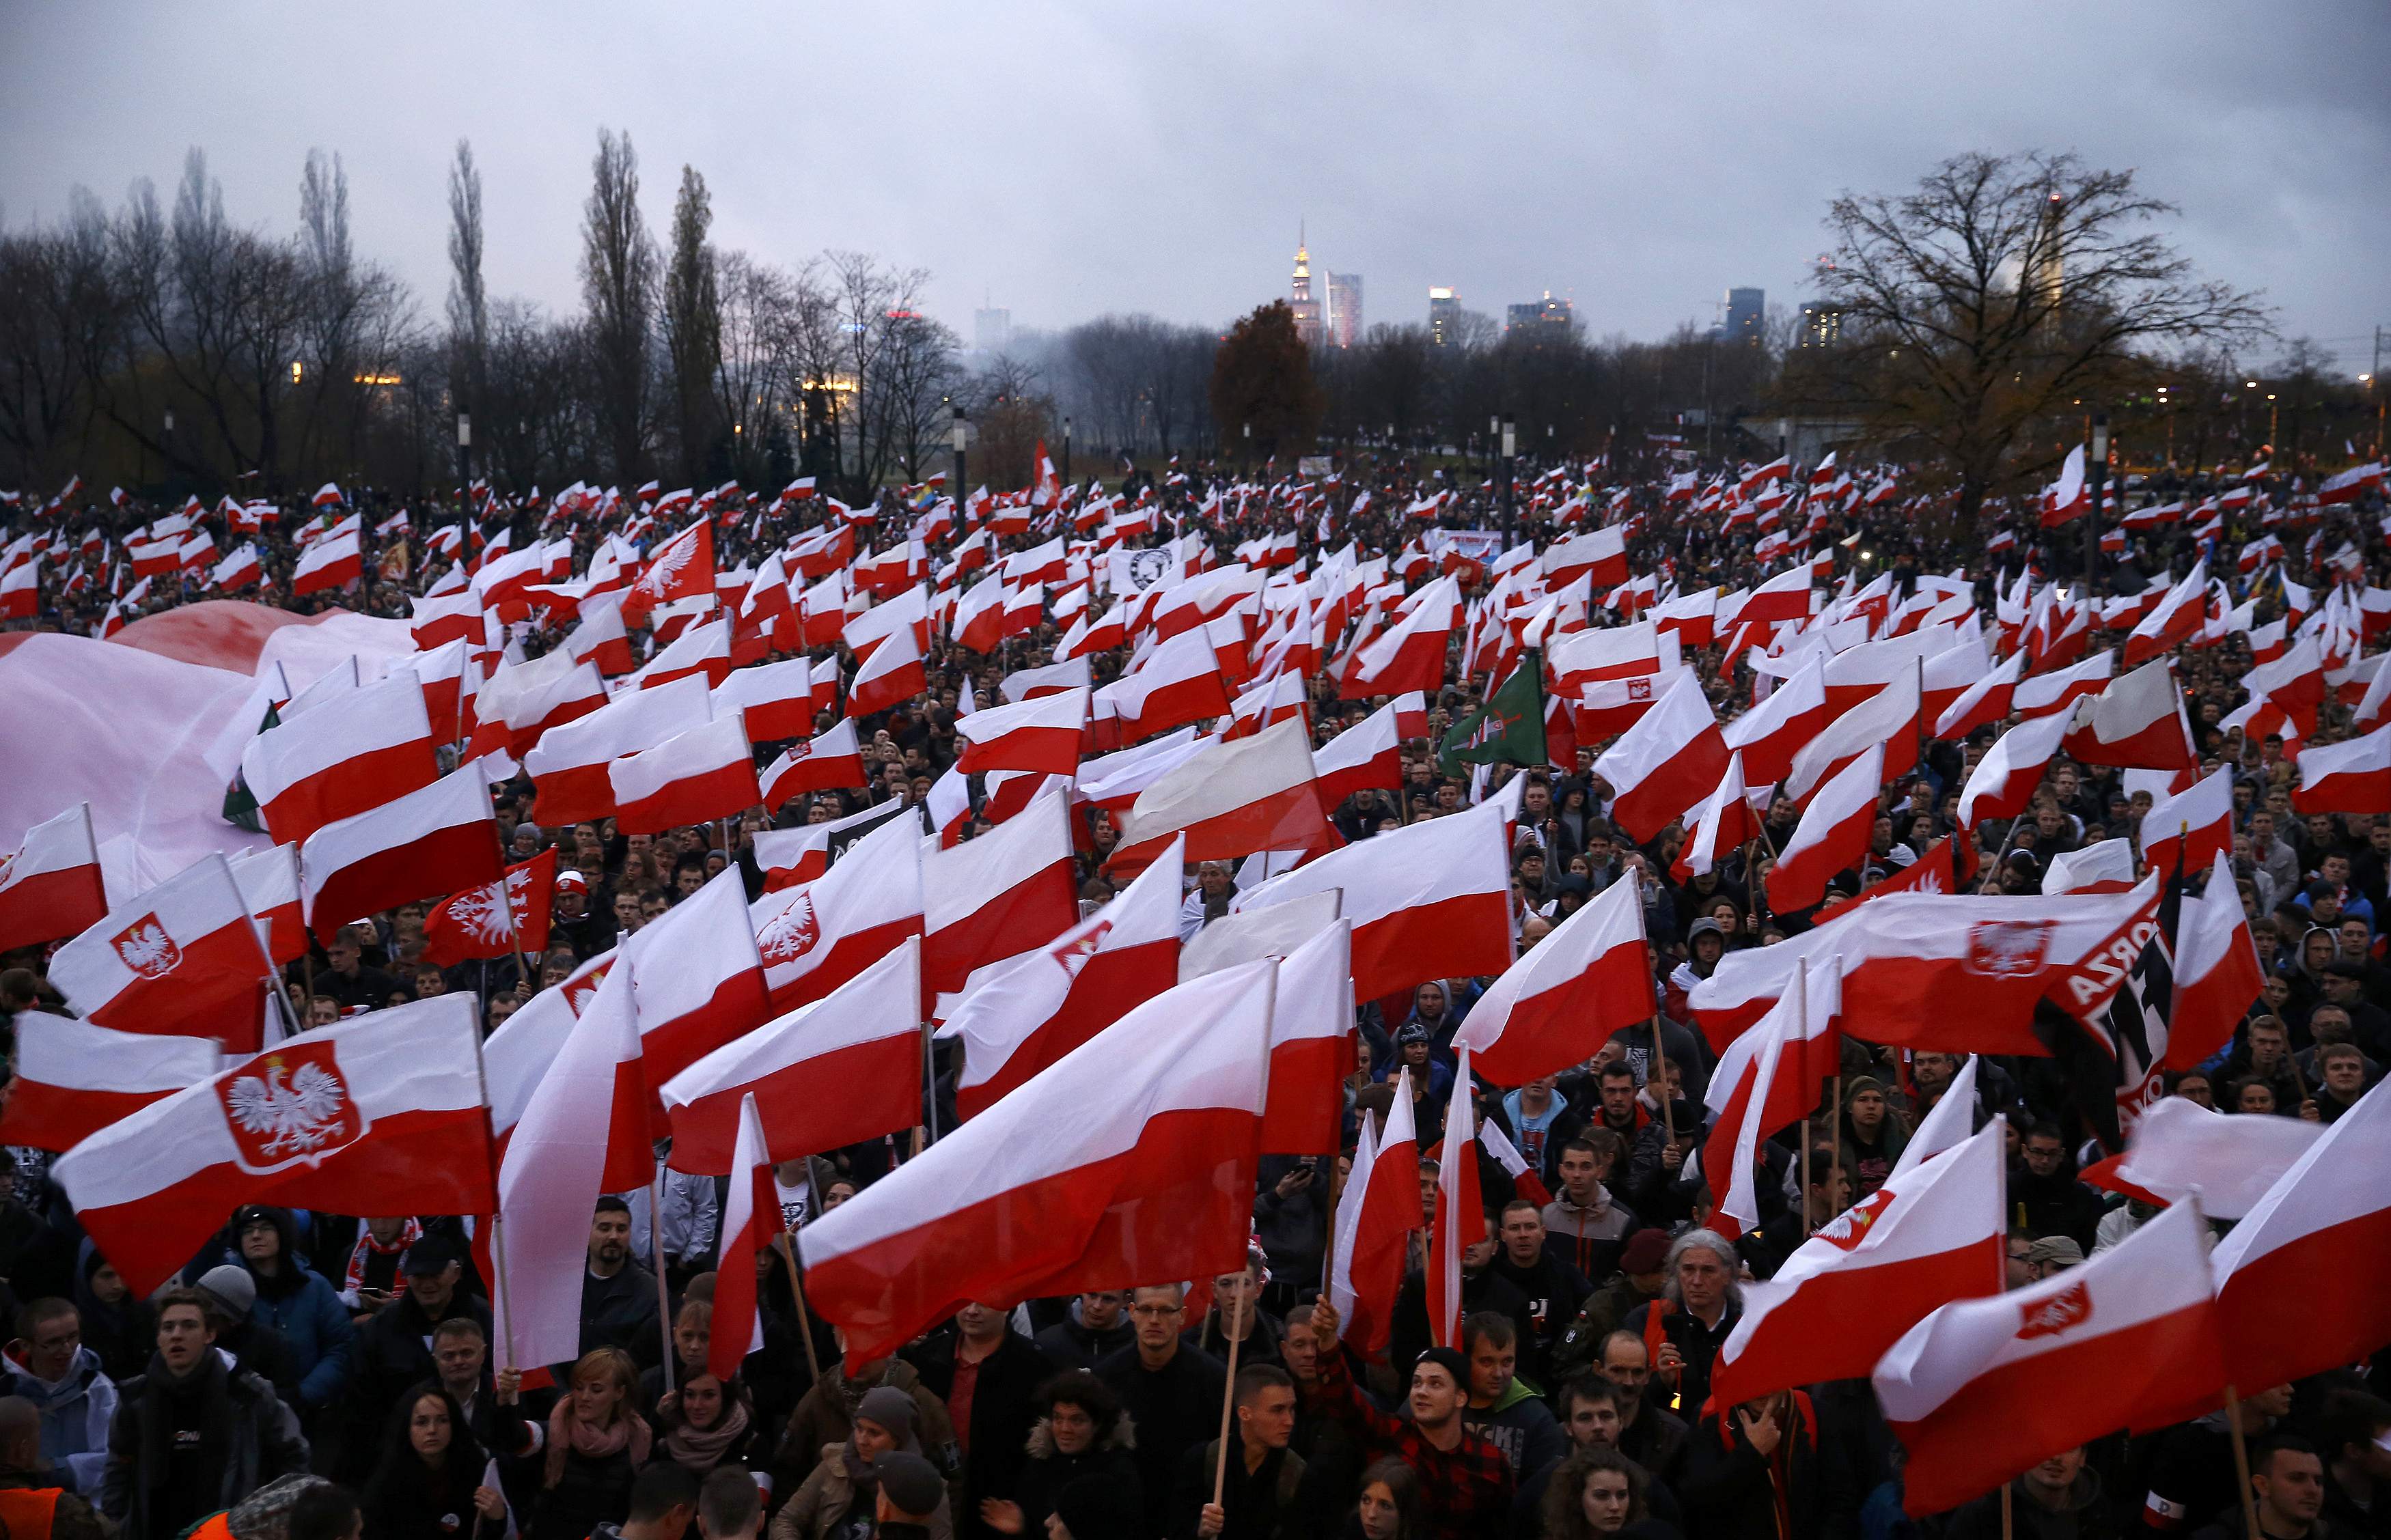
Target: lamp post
(963, 441)
(1510, 446)
(2095, 474)
(465, 455)
(1066, 449)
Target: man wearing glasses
(1171, 1390)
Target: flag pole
(656, 1249)
(1229, 1396)
(497, 1231)
(2242, 1459)
(1659, 1080)
(797, 1293)
(1835, 1176)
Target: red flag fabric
(2216, 971)
(51, 884)
(1460, 1213)
(328, 564)
(823, 763)
(382, 1115)
(1832, 836)
(1675, 747)
(2010, 772)
(1365, 756)
(435, 840)
(1590, 977)
(1231, 798)
(695, 776)
(568, 765)
(2191, 827)
(2345, 777)
(494, 919)
(700, 980)
(815, 936)
(751, 1224)
(775, 700)
(1014, 887)
(1040, 735)
(73, 1079)
(891, 675)
(342, 756)
(1312, 1045)
(1130, 1160)
(1375, 1220)
(2136, 722)
(181, 959)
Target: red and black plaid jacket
(1466, 1490)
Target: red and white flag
(1232, 798)
(841, 1070)
(1887, 720)
(1983, 1388)
(2136, 722)
(1040, 735)
(1018, 1016)
(700, 979)
(823, 763)
(1728, 817)
(495, 919)
(1460, 1215)
(1365, 756)
(1431, 900)
(2010, 772)
(1014, 887)
(328, 563)
(73, 1079)
(51, 884)
(2180, 1150)
(435, 840)
(183, 958)
(1131, 1161)
(776, 699)
(1410, 655)
(1312, 1044)
(891, 675)
(2354, 777)
(815, 936)
(1674, 746)
(382, 1115)
(1770, 733)
(268, 880)
(2174, 619)
(1832, 836)
(569, 764)
(1375, 1220)
(751, 1226)
(1765, 1079)
(694, 776)
(1180, 681)
(2216, 971)
(1984, 703)
(520, 702)
(346, 754)
(1591, 976)
(2193, 828)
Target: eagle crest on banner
(290, 1106)
(144, 948)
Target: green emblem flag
(1508, 729)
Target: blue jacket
(304, 1309)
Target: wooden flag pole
(1835, 1176)
(2242, 1459)
(656, 1248)
(798, 1293)
(1229, 1394)
(1659, 1080)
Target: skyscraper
(1538, 314)
(1341, 320)
(1443, 315)
(991, 330)
(1306, 308)
(1746, 310)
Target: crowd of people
(311, 1373)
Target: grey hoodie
(76, 1411)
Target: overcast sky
(1066, 160)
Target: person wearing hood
(116, 1325)
(1872, 1137)
(193, 1434)
(2060, 1499)
(64, 1381)
(228, 1294)
(427, 1475)
(2045, 1196)
(1705, 945)
(1096, 1325)
(1082, 1432)
(296, 1302)
(843, 1487)
(826, 1413)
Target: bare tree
(758, 381)
(618, 283)
(58, 309)
(353, 322)
(1996, 293)
(692, 324)
(469, 305)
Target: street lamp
(963, 441)
(2096, 474)
(1510, 446)
(1066, 449)
(465, 452)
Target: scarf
(201, 1398)
(699, 1450)
(366, 1246)
(565, 1432)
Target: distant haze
(1063, 160)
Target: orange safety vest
(25, 1514)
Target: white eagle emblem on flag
(2007, 948)
(290, 1106)
(790, 934)
(1074, 953)
(146, 948)
(485, 915)
(667, 565)
(2064, 1311)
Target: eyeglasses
(1155, 1312)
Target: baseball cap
(2058, 1249)
(430, 1255)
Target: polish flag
(1832, 836)
(1728, 817)
(569, 764)
(1785, 596)
(790, 856)
(444, 618)
(681, 567)
(948, 802)
(440, 674)
(182, 959)
(1312, 1044)
(1460, 1215)
(1276, 698)
(891, 675)
(1014, 887)
(693, 778)
(2322, 1236)
(1410, 655)
(50, 885)
(2010, 772)
(2174, 619)
(495, 918)
(824, 764)
(1016, 1017)
(1375, 1220)
(2354, 777)
(2179, 1149)
(1770, 733)
(1597, 555)
(751, 1224)
(600, 639)
(2192, 827)
(908, 612)
(1040, 735)
(584, 1130)
(776, 699)
(73, 1079)
(268, 880)
(353, 752)
(1983, 1389)
(1677, 745)
(2216, 972)
(817, 936)
(1131, 1161)
(2040, 694)
(701, 651)
(1983, 703)
(238, 571)
(1590, 977)
(1428, 901)
(842, 1070)
(2136, 722)
(328, 564)
(700, 980)
(2104, 867)
(435, 840)
(520, 702)
(1411, 715)
(1887, 720)
(1232, 798)
(1930, 1235)
(1114, 781)
(1771, 1076)
(1365, 756)
(1030, 683)
(1178, 683)
(382, 1115)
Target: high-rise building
(1340, 319)
(991, 330)
(1306, 308)
(1747, 316)
(1538, 314)
(1822, 324)
(1443, 315)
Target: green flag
(1508, 729)
(240, 803)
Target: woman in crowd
(427, 1482)
(597, 1440)
(1596, 1492)
(1389, 1506)
(1080, 1432)
(844, 1489)
(708, 1423)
